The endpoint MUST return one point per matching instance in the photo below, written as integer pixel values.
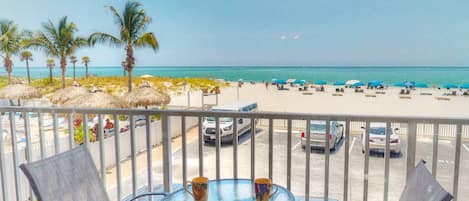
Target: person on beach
(266, 85)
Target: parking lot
(376, 171)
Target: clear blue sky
(271, 32)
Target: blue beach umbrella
(409, 83)
(421, 85)
(320, 82)
(299, 82)
(281, 82)
(339, 83)
(375, 83)
(358, 84)
(464, 86)
(450, 86)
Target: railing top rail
(266, 115)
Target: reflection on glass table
(230, 190)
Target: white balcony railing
(36, 138)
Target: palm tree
(10, 44)
(132, 23)
(58, 41)
(50, 65)
(85, 60)
(27, 56)
(123, 64)
(73, 60)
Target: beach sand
(350, 102)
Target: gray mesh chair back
(70, 175)
(422, 186)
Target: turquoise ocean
(430, 75)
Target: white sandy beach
(350, 103)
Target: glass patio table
(231, 190)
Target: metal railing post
(347, 157)
(201, 147)
(436, 128)
(387, 155)
(2, 162)
(289, 146)
(14, 144)
(149, 153)
(457, 160)
(411, 147)
(308, 157)
(167, 154)
(367, 161)
(117, 142)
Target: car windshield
(378, 131)
(318, 127)
(222, 119)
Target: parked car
(318, 130)
(378, 139)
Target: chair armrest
(148, 194)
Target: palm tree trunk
(129, 84)
(73, 71)
(9, 77)
(86, 67)
(129, 61)
(63, 67)
(50, 75)
(27, 70)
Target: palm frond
(100, 37)
(147, 40)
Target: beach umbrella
(421, 85)
(339, 83)
(281, 82)
(450, 86)
(464, 86)
(320, 82)
(146, 96)
(96, 99)
(409, 83)
(358, 84)
(375, 83)
(351, 82)
(63, 95)
(19, 91)
(146, 76)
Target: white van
(226, 124)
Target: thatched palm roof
(19, 91)
(146, 96)
(63, 95)
(96, 100)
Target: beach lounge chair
(426, 94)
(442, 98)
(336, 94)
(405, 97)
(74, 177)
(370, 95)
(422, 186)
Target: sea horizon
(436, 75)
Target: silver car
(318, 130)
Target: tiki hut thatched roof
(146, 96)
(63, 95)
(19, 91)
(96, 100)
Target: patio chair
(422, 186)
(69, 175)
